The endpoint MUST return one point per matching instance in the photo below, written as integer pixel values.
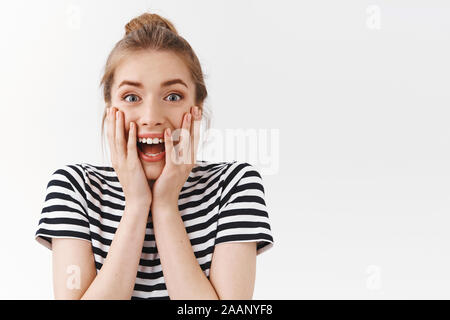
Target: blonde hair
(153, 32)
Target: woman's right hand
(125, 159)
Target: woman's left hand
(179, 160)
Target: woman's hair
(153, 32)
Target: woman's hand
(125, 159)
(179, 160)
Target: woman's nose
(152, 115)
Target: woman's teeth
(153, 154)
(150, 140)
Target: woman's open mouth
(151, 149)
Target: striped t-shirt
(219, 202)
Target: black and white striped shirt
(220, 202)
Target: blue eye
(176, 94)
(134, 98)
(131, 95)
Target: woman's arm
(117, 277)
(183, 275)
(232, 271)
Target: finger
(168, 145)
(197, 116)
(185, 138)
(132, 146)
(110, 130)
(185, 125)
(120, 136)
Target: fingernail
(189, 117)
(196, 111)
(168, 132)
(117, 114)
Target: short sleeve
(243, 215)
(64, 212)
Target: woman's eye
(175, 95)
(133, 98)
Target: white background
(359, 91)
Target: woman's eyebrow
(173, 81)
(130, 83)
(163, 84)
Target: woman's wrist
(137, 207)
(164, 207)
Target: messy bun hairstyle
(153, 32)
(149, 19)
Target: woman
(157, 224)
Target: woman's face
(140, 91)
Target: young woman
(158, 224)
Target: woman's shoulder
(82, 173)
(223, 166)
(227, 171)
(67, 173)
(85, 169)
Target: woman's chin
(153, 170)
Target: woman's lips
(146, 158)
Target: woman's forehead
(151, 69)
